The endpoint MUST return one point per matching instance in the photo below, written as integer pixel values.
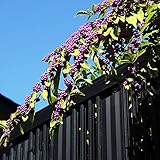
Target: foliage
(122, 32)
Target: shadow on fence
(99, 127)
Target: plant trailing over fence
(123, 32)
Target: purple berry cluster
(56, 63)
(71, 42)
(67, 82)
(135, 41)
(78, 60)
(22, 109)
(115, 3)
(56, 112)
(9, 123)
(106, 61)
(44, 77)
(37, 87)
(97, 23)
(131, 70)
(99, 7)
(6, 132)
(137, 86)
(27, 100)
(140, 25)
(62, 94)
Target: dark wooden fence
(99, 127)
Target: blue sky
(30, 29)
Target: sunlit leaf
(67, 69)
(140, 15)
(53, 98)
(25, 118)
(141, 52)
(3, 124)
(132, 20)
(85, 65)
(76, 52)
(150, 16)
(89, 81)
(52, 123)
(33, 97)
(77, 92)
(47, 84)
(21, 129)
(149, 34)
(152, 68)
(113, 35)
(44, 94)
(130, 79)
(80, 13)
(122, 18)
(146, 44)
(106, 33)
(63, 104)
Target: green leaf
(53, 98)
(106, 33)
(117, 20)
(114, 71)
(76, 52)
(31, 117)
(85, 65)
(143, 78)
(32, 105)
(67, 69)
(151, 8)
(143, 70)
(100, 30)
(82, 41)
(53, 123)
(150, 16)
(123, 61)
(132, 20)
(141, 52)
(47, 84)
(80, 13)
(122, 18)
(25, 118)
(94, 7)
(140, 15)
(149, 34)
(96, 61)
(99, 50)
(130, 79)
(14, 115)
(93, 77)
(89, 81)
(127, 87)
(142, 5)
(77, 92)
(152, 68)
(146, 44)
(144, 27)
(3, 124)
(21, 129)
(33, 97)
(63, 104)
(113, 35)
(44, 94)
